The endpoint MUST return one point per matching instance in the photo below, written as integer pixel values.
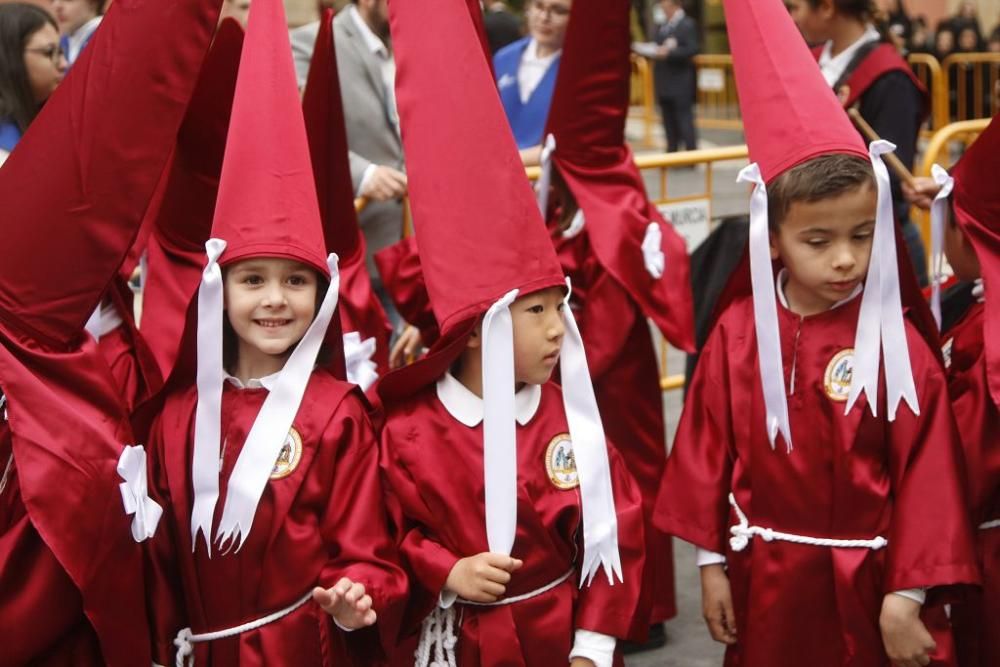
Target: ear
(827, 9)
(475, 340)
(772, 242)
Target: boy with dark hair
(842, 506)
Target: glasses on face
(53, 52)
(556, 12)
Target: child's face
(538, 334)
(270, 302)
(825, 245)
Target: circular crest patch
(837, 379)
(946, 351)
(289, 456)
(560, 462)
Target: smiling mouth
(272, 324)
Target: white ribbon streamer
(652, 251)
(361, 370)
(267, 435)
(765, 311)
(499, 430)
(880, 324)
(576, 225)
(135, 493)
(600, 519)
(939, 213)
(545, 180)
(208, 412)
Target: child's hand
(921, 191)
(717, 604)
(483, 577)
(581, 662)
(347, 602)
(406, 347)
(906, 640)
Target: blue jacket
(527, 120)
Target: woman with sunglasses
(31, 66)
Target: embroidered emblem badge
(946, 351)
(837, 379)
(289, 456)
(560, 462)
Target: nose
(844, 260)
(556, 326)
(273, 296)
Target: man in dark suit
(674, 75)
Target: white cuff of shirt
(598, 648)
(365, 177)
(447, 598)
(337, 623)
(705, 557)
(918, 595)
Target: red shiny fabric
(977, 624)
(403, 279)
(626, 379)
(849, 477)
(440, 514)
(130, 360)
(324, 521)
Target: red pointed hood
(267, 204)
(476, 220)
(587, 121)
(976, 203)
(322, 106)
(790, 114)
(182, 221)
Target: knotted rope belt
(743, 532)
(438, 633)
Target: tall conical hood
(366, 347)
(475, 217)
(267, 204)
(976, 203)
(791, 116)
(587, 128)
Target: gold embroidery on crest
(560, 462)
(289, 456)
(837, 379)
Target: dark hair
(229, 344)
(866, 10)
(821, 178)
(18, 22)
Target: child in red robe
(842, 507)
(276, 546)
(626, 262)
(74, 193)
(971, 240)
(521, 526)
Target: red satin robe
(626, 379)
(323, 521)
(848, 477)
(433, 467)
(976, 619)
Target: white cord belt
(185, 640)
(438, 635)
(743, 532)
(989, 525)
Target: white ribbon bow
(361, 370)
(545, 180)
(939, 213)
(880, 324)
(499, 430)
(652, 251)
(590, 449)
(135, 493)
(765, 311)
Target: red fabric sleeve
(606, 321)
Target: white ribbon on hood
(545, 180)
(880, 324)
(652, 251)
(939, 213)
(361, 370)
(765, 311)
(135, 493)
